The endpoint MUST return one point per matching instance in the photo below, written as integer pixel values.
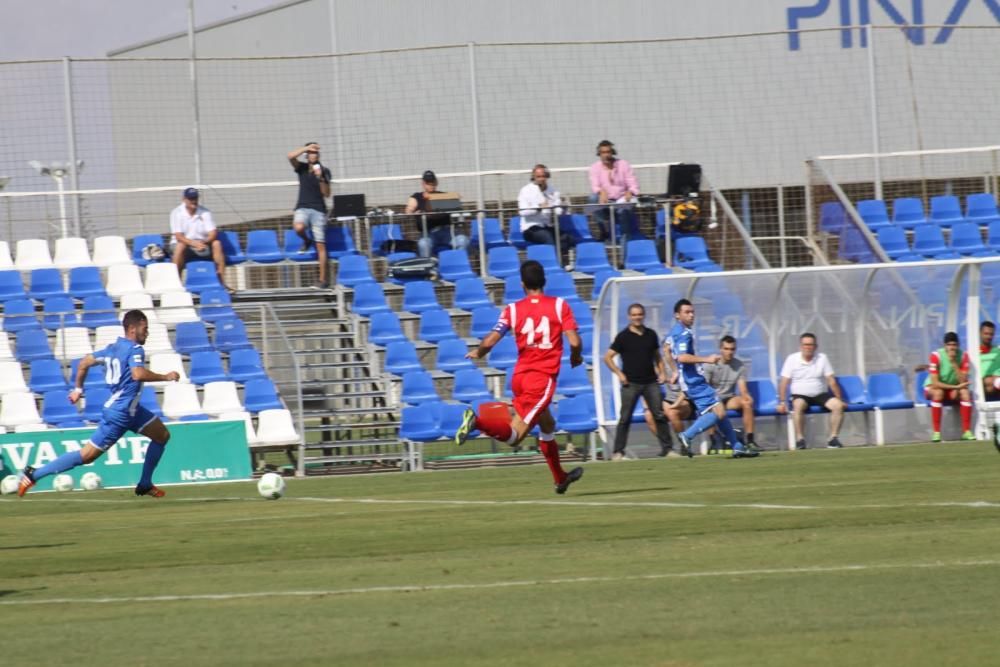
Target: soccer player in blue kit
(124, 371)
(708, 409)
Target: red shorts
(533, 391)
(950, 395)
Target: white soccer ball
(62, 482)
(90, 481)
(8, 485)
(271, 486)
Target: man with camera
(195, 237)
(310, 208)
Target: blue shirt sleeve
(137, 357)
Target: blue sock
(62, 464)
(730, 434)
(703, 423)
(153, 454)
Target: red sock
(936, 417)
(965, 409)
(550, 450)
(495, 428)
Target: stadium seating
(162, 278)
(381, 234)
(72, 253)
(60, 312)
(874, 213)
(19, 315)
(110, 250)
(353, 270)
(515, 236)
(470, 293)
(418, 424)
(592, 258)
(220, 397)
(339, 241)
(502, 262)
(94, 400)
(587, 341)
(451, 355)
(435, 326)
(418, 387)
(577, 226)
(11, 286)
(452, 415)
(95, 376)
(946, 210)
(46, 283)
(577, 414)
(216, 304)
(581, 313)
(124, 279)
(245, 365)
(158, 340)
(470, 385)
(180, 400)
(369, 299)
(492, 234)
(138, 301)
(293, 250)
(106, 335)
(929, 241)
(483, 320)
(908, 212)
(262, 247)
(454, 265)
(72, 343)
(32, 344)
(400, 358)
(967, 239)
(573, 381)
(504, 354)
(192, 337)
(853, 389)
(600, 278)
(11, 378)
(832, 217)
(893, 241)
(199, 276)
(206, 366)
(166, 362)
(981, 208)
(231, 247)
(58, 411)
(85, 281)
(33, 254)
(275, 427)
(690, 252)
(46, 375)
(385, 328)
(560, 284)
(143, 240)
(18, 408)
(244, 417)
(231, 334)
(886, 392)
(513, 290)
(765, 397)
(177, 307)
(544, 255)
(641, 255)
(419, 296)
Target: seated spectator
(439, 226)
(811, 378)
(540, 208)
(613, 181)
(948, 381)
(195, 236)
(729, 379)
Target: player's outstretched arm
(492, 338)
(81, 376)
(145, 375)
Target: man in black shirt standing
(310, 209)
(641, 373)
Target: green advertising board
(214, 451)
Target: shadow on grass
(37, 546)
(620, 492)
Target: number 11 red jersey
(538, 323)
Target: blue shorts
(316, 221)
(703, 397)
(113, 425)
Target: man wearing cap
(310, 208)
(439, 236)
(195, 237)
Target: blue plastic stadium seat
(981, 208)
(353, 270)
(874, 213)
(581, 313)
(141, 241)
(853, 390)
(451, 355)
(339, 241)
(216, 304)
(545, 255)
(47, 375)
(11, 286)
(515, 236)
(262, 247)
(85, 281)
(401, 357)
(928, 240)
(200, 276)
(492, 234)
(641, 255)
(46, 283)
(504, 354)
(885, 390)
(245, 365)
(919, 398)
(206, 366)
(966, 239)
(381, 234)
(95, 376)
(95, 399)
(148, 400)
(946, 210)
(500, 263)
(292, 245)
(577, 226)
(58, 411)
(513, 290)
(600, 278)
(832, 217)
(908, 212)
(419, 296)
(385, 328)
(418, 424)
(470, 293)
(454, 265)
(993, 235)
(369, 299)
(560, 283)
(765, 397)
(59, 313)
(418, 387)
(573, 381)
(435, 325)
(230, 334)
(578, 414)
(592, 258)
(893, 241)
(231, 247)
(261, 394)
(483, 320)
(451, 418)
(99, 311)
(470, 385)
(690, 251)
(192, 337)
(587, 339)
(19, 315)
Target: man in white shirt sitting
(812, 382)
(540, 208)
(195, 236)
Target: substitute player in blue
(708, 409)
(124, 371)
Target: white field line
(427, 588)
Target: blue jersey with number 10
(681, 341)
(119, 359)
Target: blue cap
(191, 193)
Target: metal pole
(194, 94)
(477, 156)
(338, 118)
(71, 142)
(781, 225)
(873, 95)
(62, 205)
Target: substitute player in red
(538, 322)
(947, 382)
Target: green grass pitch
(874, 556)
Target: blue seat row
(908, 212)
(929, 242)
(263, 246)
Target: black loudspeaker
(683, 180)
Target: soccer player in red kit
(538, 323)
